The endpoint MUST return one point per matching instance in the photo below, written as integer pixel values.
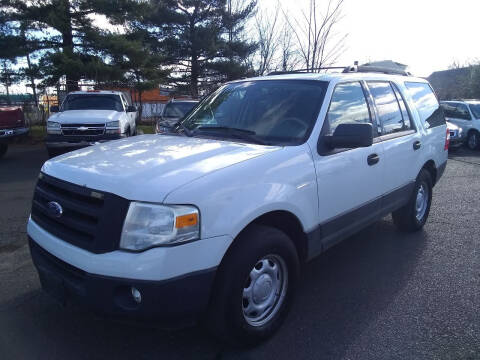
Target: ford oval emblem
(54, 209)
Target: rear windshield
(93, 102)
(179, 109)
(475, 109)
(275, 111)
(426, 103)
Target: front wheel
(414, 214)
(254, 286)
(473, 140)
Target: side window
(450, 110)
(426, 103)
(462, 112)
(407, 120)
(387, 106)
(348, 105)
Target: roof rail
(346, 70)
(300, 71)
(375, 69)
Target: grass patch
(147, 129)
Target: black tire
(3, 150)
(225, 318)
(411, 217)
(473, 140)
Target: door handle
(417, 145)
(373, 159)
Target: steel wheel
(264, 290)
(421, 203)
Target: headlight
(148, 225)
(113, 124)
(113, 127)
(53, 127)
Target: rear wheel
(3, 149)
(473, 140)
(414, 214)
(254, 286)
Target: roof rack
(300, 71)
(375, 69)
(347, 70)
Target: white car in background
(89, 117)
(466, 115)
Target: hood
(85, 116)
(149, 167)
(11, 117)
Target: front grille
(83, 129)
(91, 219)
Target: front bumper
(172, 303)
(77, 142)
(10, 133)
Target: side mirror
(54, 109)
(131, 108)
(350, 135)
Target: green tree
(234, 48)
(202, 39)
(64, 32)
(132, 55)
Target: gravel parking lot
(379, 295)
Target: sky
(427, 35)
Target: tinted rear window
(426, 103)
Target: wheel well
(472, 131)
(432, 169)
(290, 225)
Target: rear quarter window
(426, 103)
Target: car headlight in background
(113, 127)
(54, 128)
(148, 225)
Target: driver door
(350, 181)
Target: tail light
(447, 140)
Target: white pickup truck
(213, 220)
(89, 117)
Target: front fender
(231, 198)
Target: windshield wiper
(243, 134)
(179, 124)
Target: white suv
(214, 221)
(89, 117)
(466, 115)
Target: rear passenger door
(401, 142)
(349, 185)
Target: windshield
(179, 109)
(475, 109)
(274, 111)
(92, 102)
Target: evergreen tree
(234, 48)
(65, 35)
(203, 39)
(132, 55)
